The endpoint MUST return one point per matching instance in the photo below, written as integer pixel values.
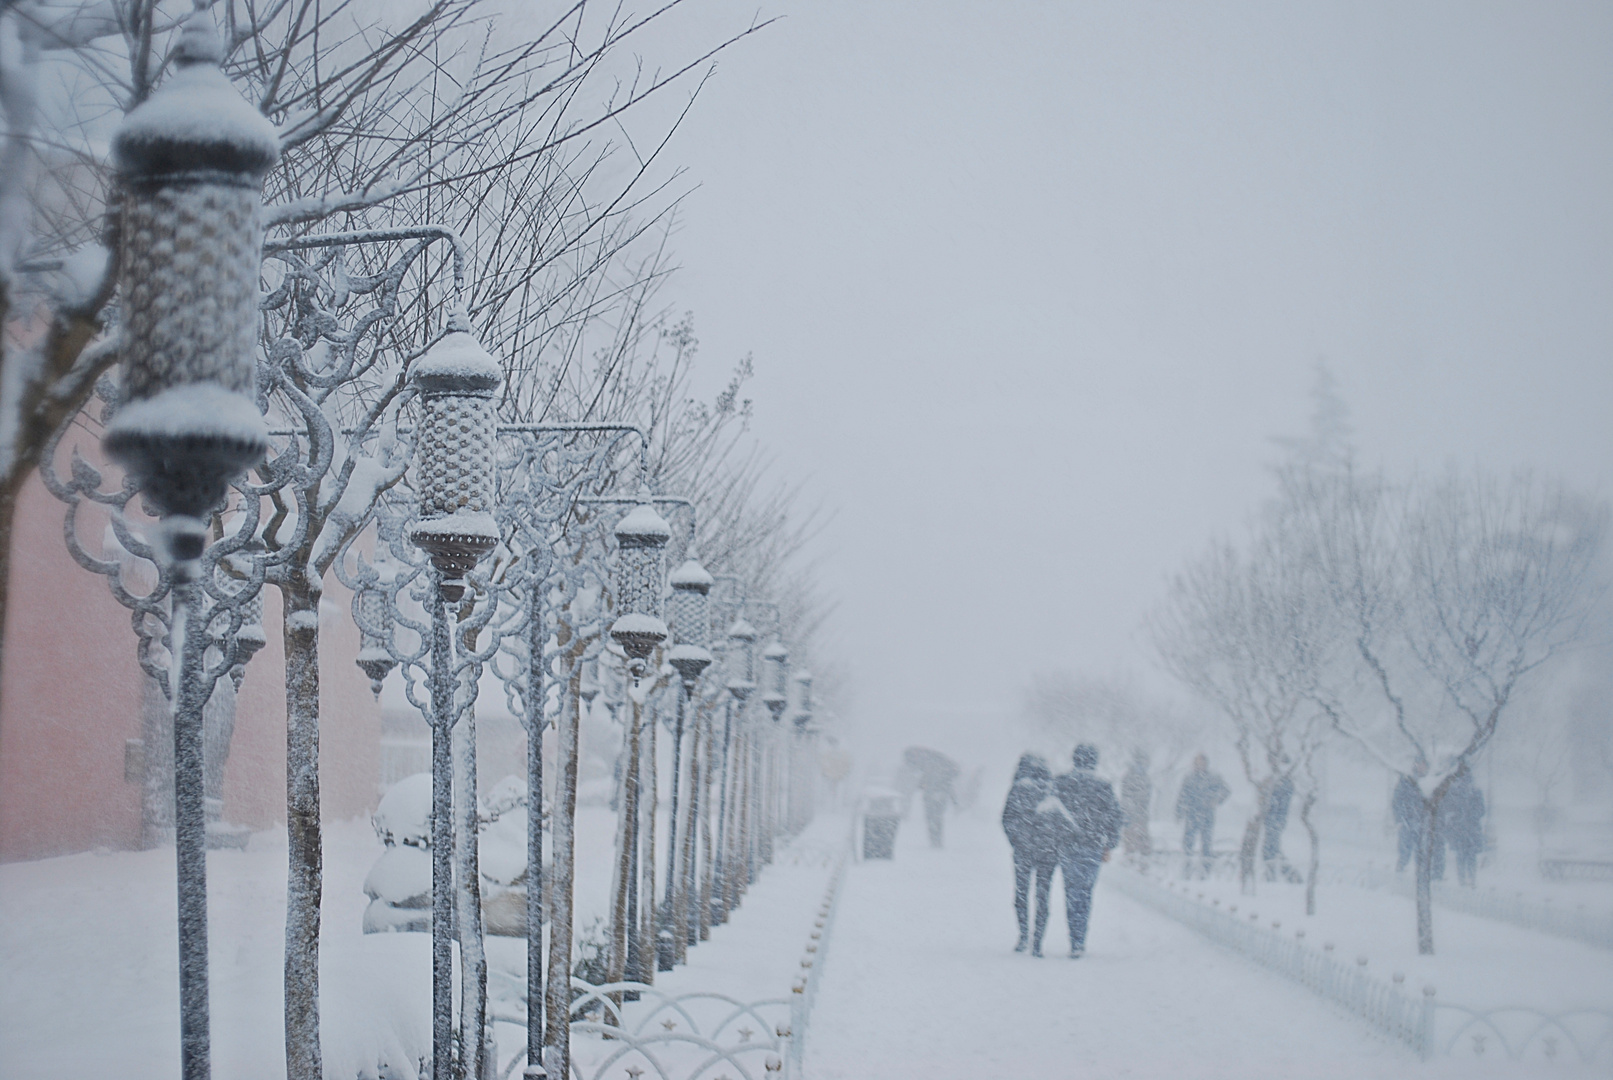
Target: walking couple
(1068, 823)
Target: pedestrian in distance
(1196, 803)
(1411, 817)
(1136, 794)
(1461, 815)
(1035, 858)
(1273, 824)
(935, 775)
(1095, 830)
(1407, 807)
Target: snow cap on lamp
(641, 537)
(456, 381)
(190, 164)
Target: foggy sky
(1031, 287)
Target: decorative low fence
(670, 1036)
(634, 1031)
(1559, 920)
(816, 952)
(1427, 1026)
(1580, 1035)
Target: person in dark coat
(1136, 793)
(936, 774)
(1201, 793)
(1034, 858)
(1095, 830)
(1409, 812)
(1411, 815)
(1273, 824)
(1461, 815)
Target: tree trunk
(622, 885)
(468, 888)
(1316, 861)
(742, 821)
(673, 904)
(1251, 837)
(686, 929)
(645, 971)
(536, 695)
(720, 868)
(1425, 889)
(703, 920)
(562, 833)
(305, 859)
(8, 515)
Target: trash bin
(880, 818)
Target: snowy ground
(88, 968)
(1480, 963)
(920, 978)
(922, 981)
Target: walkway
(921, 982)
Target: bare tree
(387, 114)
(1115, 714)
(1253, 635)
(1454, 594)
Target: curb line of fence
(1381, 1005)
(804, 993)
(1575, 923)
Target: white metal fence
(668, 1036)
(1427, 1026)
(1380, 1004)
(690, 1036)
(816, 952)
(1560, 920)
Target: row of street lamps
(189, 424)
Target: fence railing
(1560, 920)
(667, 1036)
(1427, 1026)
(1380, 1004)
(655, 1035)
(816, 952)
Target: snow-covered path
(921, 981)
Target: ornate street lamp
(455, 382)
(803, 699)
(691, 585)
(777, 659)
(741, 639)
(641, 537)
(372, 604)
(190, 162)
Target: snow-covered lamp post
(741, 684)
(455, 382)
(741, 638)
(777, 659)
(691, 585)
(801, 793)
(190, 162)
(776, 676)
(373, 615)
(641, 538)
(803, 700)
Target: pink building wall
(70, 698)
